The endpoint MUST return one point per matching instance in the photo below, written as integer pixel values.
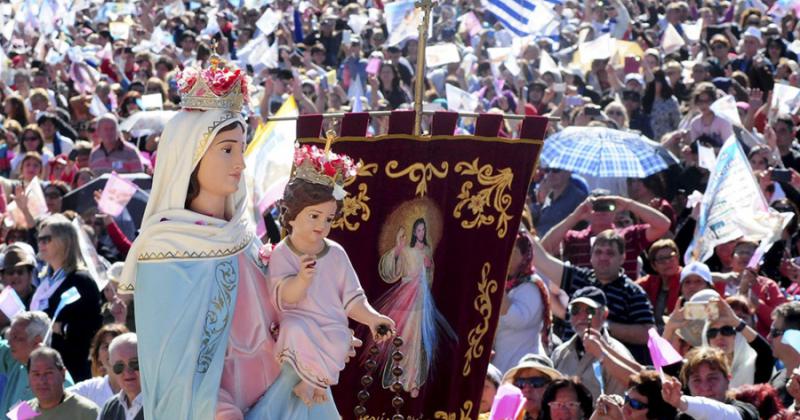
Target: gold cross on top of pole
(426, 6)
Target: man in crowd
(127, 404)
(558, 197)
(26, 334)
(46, 373)
(113, 153)
(630, 313)
(599, 210)
(578, 357)
(784, 317)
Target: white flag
(97, 107)
(725, 108)
(437, 55)
(733, 206)
(547, 64)
(672, 40)
(460, 100)
(269, 21)
(10, 303)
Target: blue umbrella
(605, 153)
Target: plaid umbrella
(605, 153)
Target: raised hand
(308, 268)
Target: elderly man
(592, 345)
(112, 153)
(127, 404)
(46, 373)
(26, 334)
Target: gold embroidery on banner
(353, 204)
(420, 173)
(482, 304)
(495, 195)
(217, 253)
(465, 414)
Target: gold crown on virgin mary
(324, 168)
(217, 87)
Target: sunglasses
(776, 332)
(576, 309)
(535, 382)
(16, 272)
(44, 239)
(119, 367)
(726, 331)
(30, 138)
(635, 404)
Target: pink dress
(314, 335)
(249, 367)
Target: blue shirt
(556, 209)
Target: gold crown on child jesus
(219, 86)
(318, 166)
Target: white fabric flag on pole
(269, 158)
(269, 21)
(460, 100)
(693, 30)
(547, 64)
(733, 206)
(402, 21)
(10, 303)
(69, 297)
(785, 99)
(95, 264)
(725, 108)
(672, 40)
(357, 23)
(600, 48)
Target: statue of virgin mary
(202, 304)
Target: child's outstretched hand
(382, 328)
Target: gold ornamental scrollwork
(355, 205)
(465, 413)
(418, 172)
(495, 195)
(482, 304)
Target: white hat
(538, 362)
(753, 32)
(638, 78)
(699, 269)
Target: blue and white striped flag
(525, 17)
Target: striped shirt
(578, 248)
(627, 301)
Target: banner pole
(426, 6)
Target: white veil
(169, 231)
(743, 367)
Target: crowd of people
(588, 285)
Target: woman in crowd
(642, 401)
(64, 279)
(660, 103)
(31, 140)
(566, 399)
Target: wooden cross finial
(330, 136)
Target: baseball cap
(699, 269)
(636, 77)
(752, 32)
(590, 296)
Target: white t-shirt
(97, 389)
(518, 331)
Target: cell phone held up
(781, 175)
(697, 311)
(604, 205)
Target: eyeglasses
(535, 382)
(665, 258)
(776, 332)
(119, 367)
(747, 252)
(719, 46)
(635, 404)
(559, 405)
(726, 331)
(44, 239)
(576, 309)
(30, 138)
